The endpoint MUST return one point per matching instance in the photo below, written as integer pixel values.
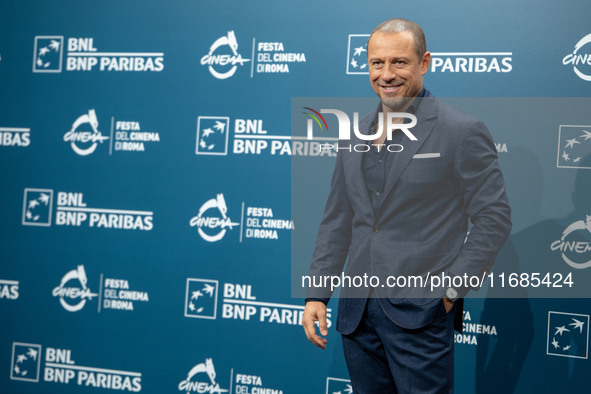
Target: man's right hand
(315, 311)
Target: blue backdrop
(146, 221)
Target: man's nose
(389, 72)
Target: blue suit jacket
(435, 185)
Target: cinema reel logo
(201, 379)
(578, 59)
(212, 221)
(575, 244)
(223, 65)
(72, 295)
(82, 140)
(345, 129)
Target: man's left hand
(448, 304)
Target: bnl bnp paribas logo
(580, 58)
(338, 386)
(59, 367)
(224, 59)
(72, 210)
(26, 362)
(453, 62)
(238, 301)
(574, 147)
(250, 137)
(568, 335)
(15, 136)
(82, 55)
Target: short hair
(397, 25)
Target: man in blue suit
(403, 213)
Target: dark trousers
(385, 358)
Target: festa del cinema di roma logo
(201, 379)
(256, 222)
(84, 136)
(217, 224)
(222, 64)
(577, 58)
(222, 59)
(575, 244)
(73, 291)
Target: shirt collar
(412, 108)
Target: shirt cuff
(323, 300)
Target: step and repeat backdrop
(146, 175)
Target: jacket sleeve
(485, 202)
(334, 237)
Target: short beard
(396, 104)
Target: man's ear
(425, 63)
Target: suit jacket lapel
(354, 164)
(426, 112)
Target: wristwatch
(451, 294)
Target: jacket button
(376, 229)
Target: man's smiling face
(395, 69)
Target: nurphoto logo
(394, 121)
